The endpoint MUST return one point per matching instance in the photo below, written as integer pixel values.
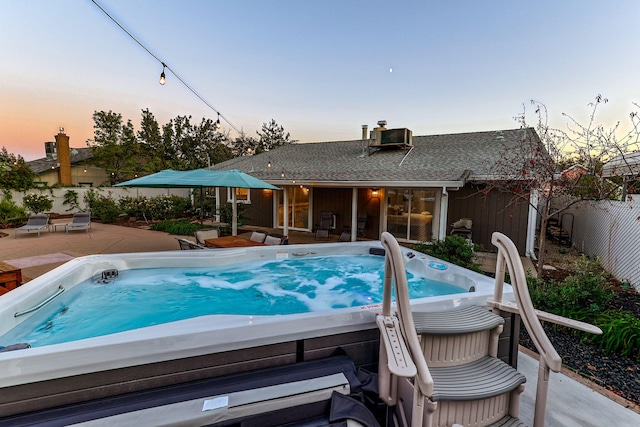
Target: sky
(321, 69)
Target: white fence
(114, 192)
(611, 230)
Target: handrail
(394, 273)
(41, 304)
(509, 261)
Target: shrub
(226, 216)
(11, 213)
(620, 333)
(454, 249)
(102, 207)
(37, 203)
(181, 227)
(168, 207)
(581, 296)
(135, 206)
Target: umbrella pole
(234, 210)
(201, 205)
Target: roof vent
(382, 123)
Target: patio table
(231, 242)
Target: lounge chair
(80, 221)
(209, 233)
(36, 222)
(325, 225)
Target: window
(243, 195)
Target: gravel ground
(617, 373)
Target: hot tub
(200, 347)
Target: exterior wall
(489, 213)
(336, 200)
(610, 230)
(93, 177)
(114, 192)
(260, 211)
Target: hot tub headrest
(377, 251)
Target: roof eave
(368, 184)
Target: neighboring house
(66, 166)
(412, 186)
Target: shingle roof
(44, 164)
(451, 158)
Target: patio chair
(209, 233)
(276, 239)
(187, 245)
(272, 241)
(325, 225)
(345, 236)
(79, 221)
(36, 222)
(258, 236)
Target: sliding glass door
(298, 209)
(410, 213)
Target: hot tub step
(457, 321)
(459, 336)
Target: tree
(15, 173)
(155, 156)
(531, 170)
(272, 136)
(115, 147)
(188, 146)
(244, 145)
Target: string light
(163, 80)
(165, 66)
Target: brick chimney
(64, 158)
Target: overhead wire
(164, 64)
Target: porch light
(374, 192)
(282, 174)
(269, 164)
(163, 79)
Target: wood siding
(260, 211)
(335, 200)
(489, 213)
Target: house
(412, 186)
(65, 166)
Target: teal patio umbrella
(200, 178)
(237, 179)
